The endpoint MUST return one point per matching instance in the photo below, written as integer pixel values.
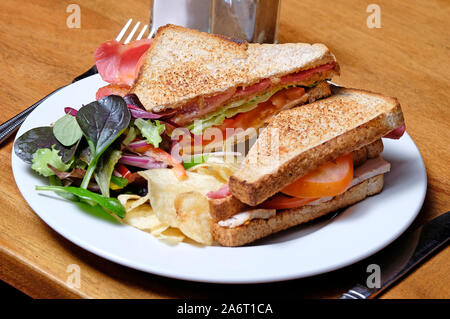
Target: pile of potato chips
(175, 210)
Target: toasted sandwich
(211, 81)
(327, 157)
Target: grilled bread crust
(224, 208)
(183, 64)
(299, 140)
(259, 228)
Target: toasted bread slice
(183, 64)
(224, 208)
(259, 228)
(299, 140)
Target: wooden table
(408, 57)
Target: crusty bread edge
(260, 228)
(254, 193)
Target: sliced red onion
(71, 111)
(138, 143)
(145, 162)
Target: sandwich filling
(273, 93)
(367, 170)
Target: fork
(10, 126)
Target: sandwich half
(210, 81)
(309, 161)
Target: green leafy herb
(41, 137)
(67, 131)
(105, 168)
(102, 122)
(44, 156)
(111, 205)
(151, 131)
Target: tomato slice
(280, 201)
(330, 179)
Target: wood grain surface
(408, 57)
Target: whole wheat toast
(183, 64)
(299, 140)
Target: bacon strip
(303, 75)
(222, 192)
(119, 63)
(112, 89)
(397, 133)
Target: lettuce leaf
(44, 156)
(151, 131)
(236, 107)
(228, 111)
(67, 131)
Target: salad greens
(87, 154)
(67, 131)
(150, 130)
(105, 169)
(111, 205)
(44, 157)
(41, 137)
(131, 136)
(102, 122)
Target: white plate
(312, 249)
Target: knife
(402, 256)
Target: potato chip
(172, 236)
(131, 201)
(193, 217)
(141, 216)
(144, 218)
(216, 167)
(164, 187)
